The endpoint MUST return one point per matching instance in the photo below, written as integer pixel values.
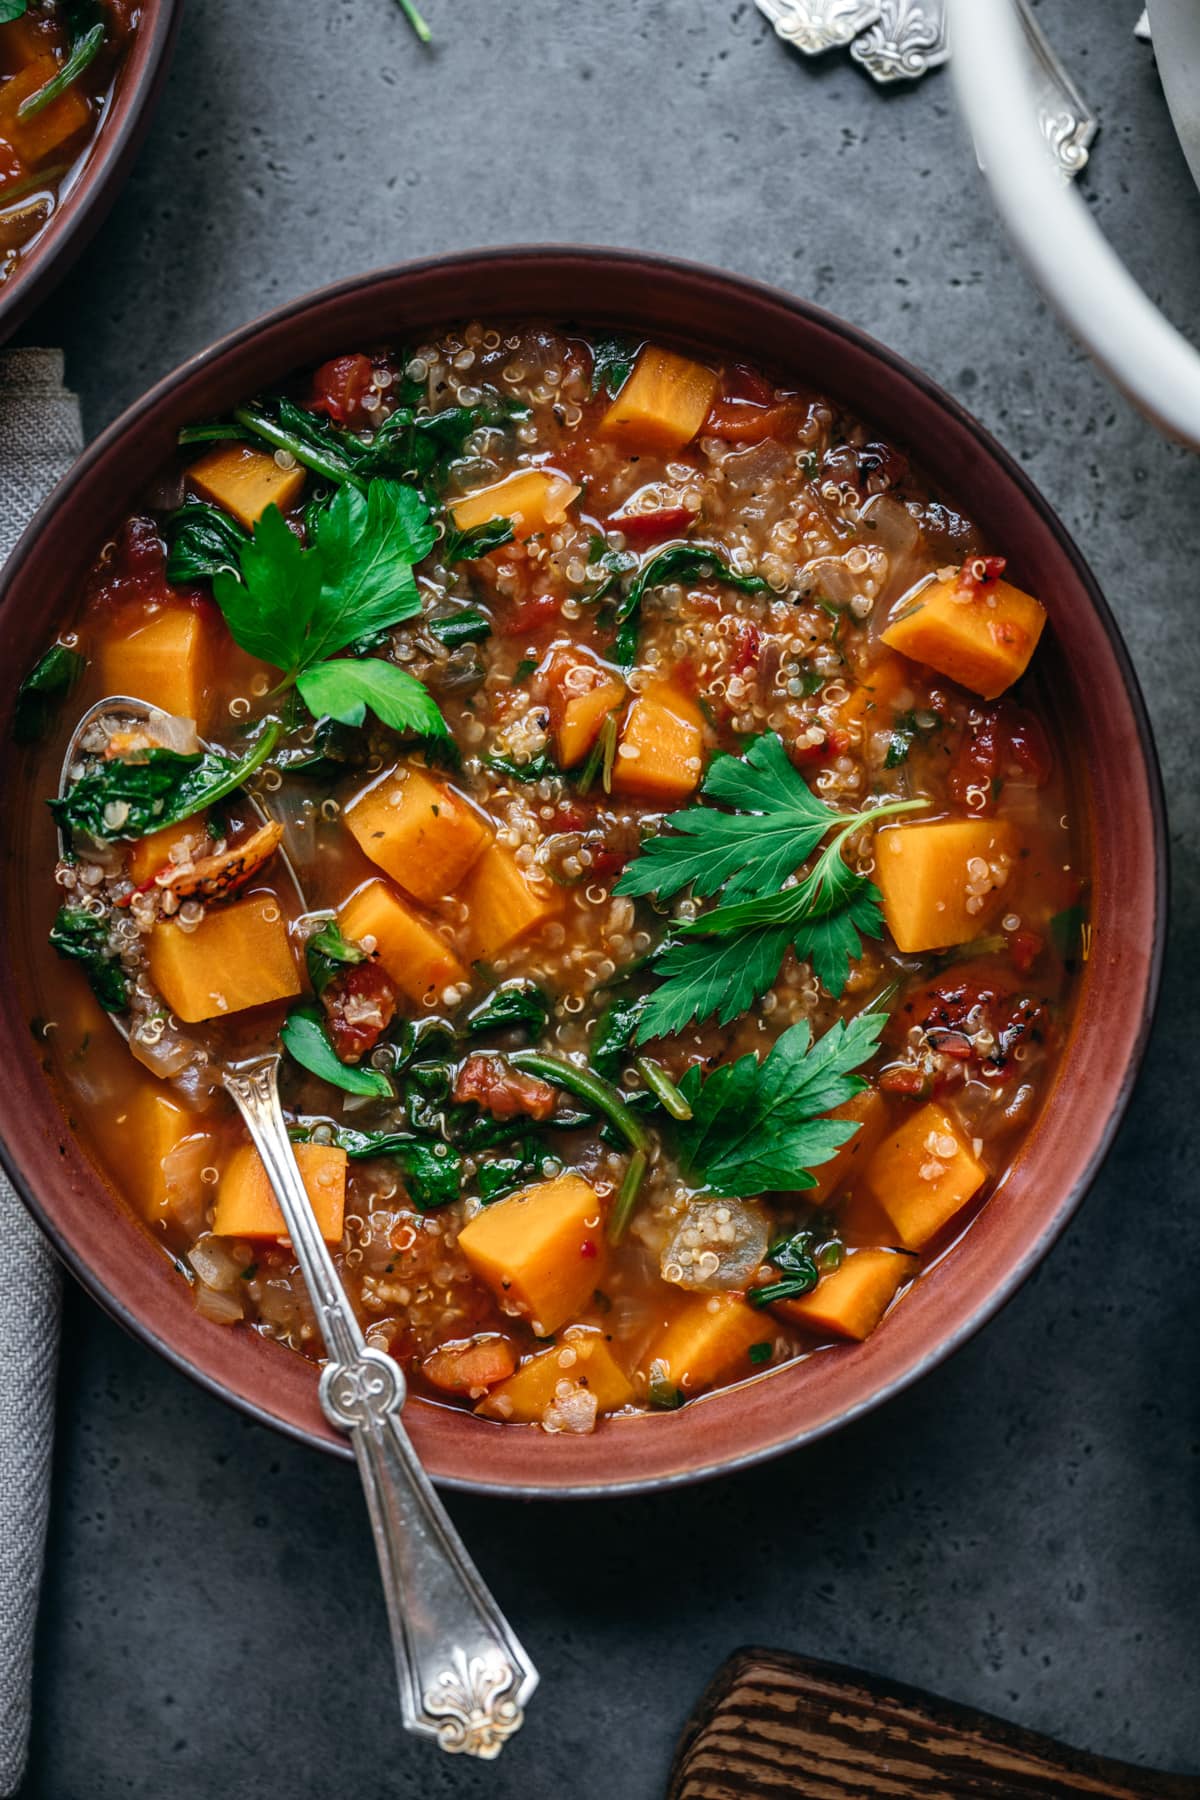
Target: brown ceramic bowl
(1101, 716)
(94, 188)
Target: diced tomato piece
(980, 1006)
(1025, 947)
(881, 467)
(905, 1080)
(534, 613)
(1005, 743)
(503, 1091)
(359, 1006)
(338, 388)
(746, 650)
(741, 383)
(607, 863)
(641, 528)
(459, 1368)
(979, 572)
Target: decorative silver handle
(464, 1677)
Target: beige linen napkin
(40, 437)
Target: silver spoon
(464, 1677)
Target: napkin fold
(40, 437)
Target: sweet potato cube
(863, 1224)
(150, 854)
(583, 1360)
(922, 1174)
(244, 481)
(541, 1251)
(708, 1341)
(660, 752)
(419, 961)
(851, 1300)
(534, 499)
(166, 662)
(247, 1208)
(664, 402)
(22, 41)
(868, 1111)
(149, 1124)
(872, 704)
(420, 832)
(942, 884)
(982, 637)
(237, 957)
(503, 905)
(36, 138)
(582, 716)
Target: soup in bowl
(636, 793)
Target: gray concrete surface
(1019, 1533)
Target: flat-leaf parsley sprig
(296, 608)
(762, 1127)
(722, 962)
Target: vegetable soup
(58, 61)
(689, 889)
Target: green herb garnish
(761, 1127)
(296, 608)
(908, 727)
(724, 960)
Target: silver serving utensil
(464, 1677)
(815, 26)
(1068, 124)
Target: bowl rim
(805, 312)
(106, 163)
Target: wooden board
(772, 1726)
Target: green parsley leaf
(12, 9)
(761, 1127)
(778, 824)
(760, 1353)
(292, 607)
(327, 954)
(751, 853)
(706, 977)
(345, 687)
(306, 1041)
(83, 938)
(465, 546)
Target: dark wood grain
(772, 1726)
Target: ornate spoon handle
(464, 1678)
